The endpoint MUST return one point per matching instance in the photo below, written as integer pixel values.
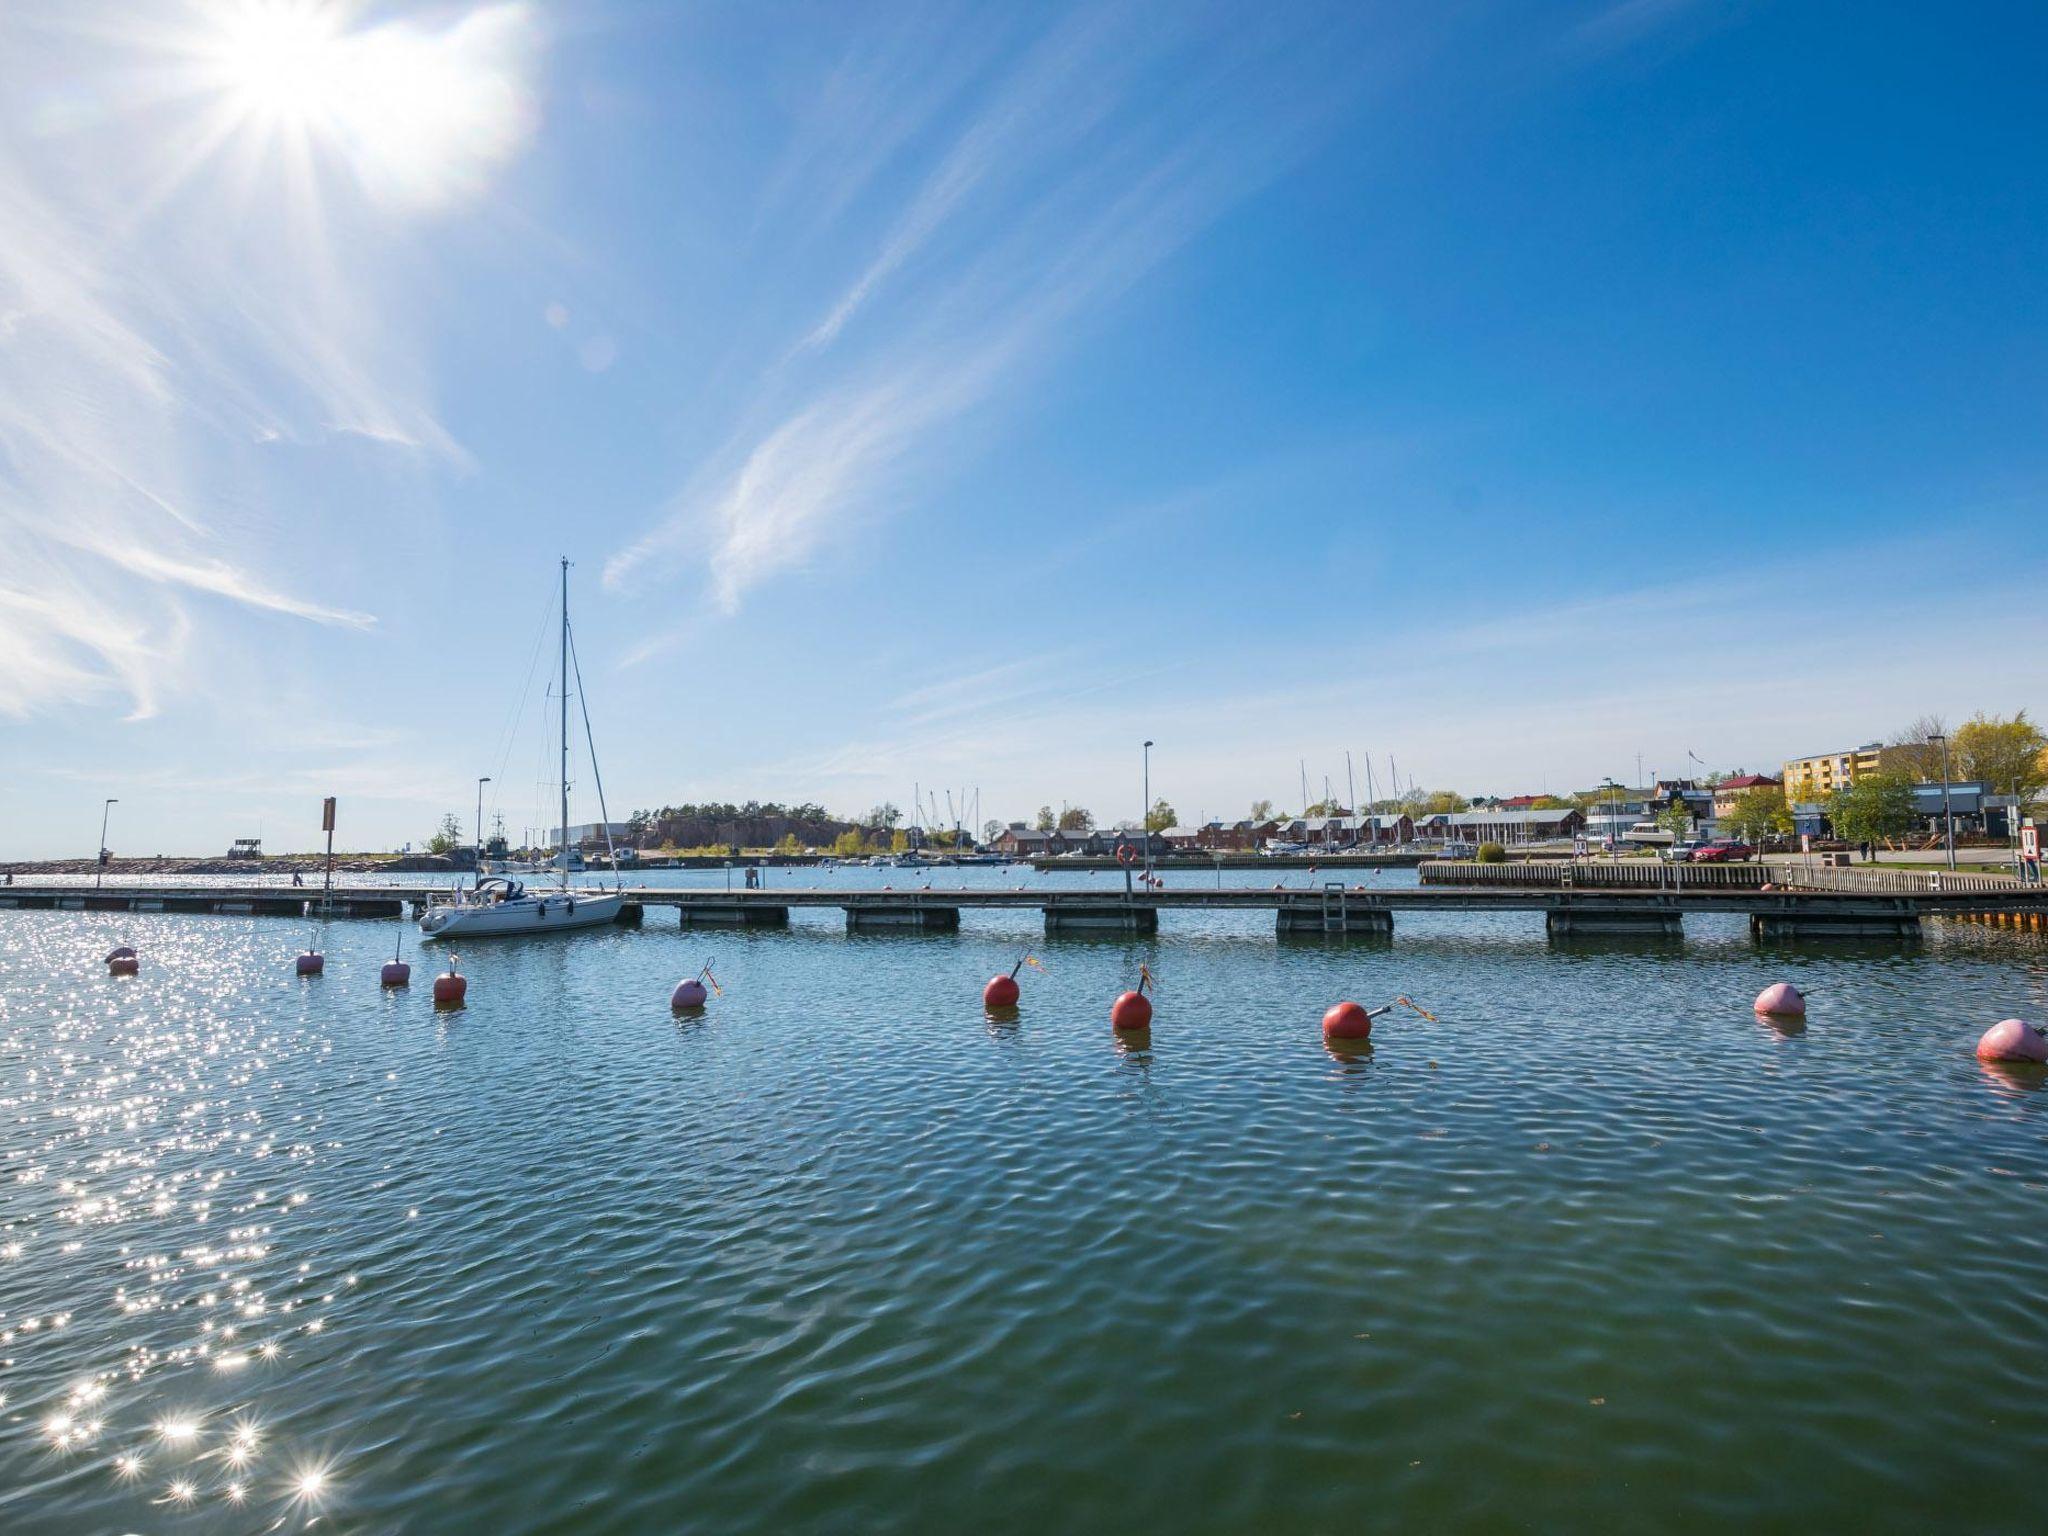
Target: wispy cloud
(1110, 145)
(173, 300)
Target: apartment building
(1813, 779)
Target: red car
(1723, 853)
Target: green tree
(1490, 853)
(1323, 808)
(1877, 807)
(1262, 810)
(899, 841)
(850, 844)
(1045, 821)
(2005, 754)
(991, 830)
(1760, 813)
(1676, 818)
(789, 844)
(1447, 801)
(1549, 803)
(447, 837)
(1074, 818)
(884, 815)
(1161, 816)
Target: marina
(565, 1260)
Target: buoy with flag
(1350, 1023)
(1002, 992)
(690, 994)
(1131, 1014)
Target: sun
(418, 111)
(283, 63)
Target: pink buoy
(688, 995)
(2013, 1040)
(450, 989)
(311, 963)
(1001, 992)
(1782, 999)
(396, 973)
(1347, 1021)
(1131, 1013)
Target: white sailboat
(500, 905)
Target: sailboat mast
(562, 849)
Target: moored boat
(498, 905)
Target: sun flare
(420, 114)
(282, 62)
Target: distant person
(1866, 850)
(297, 878)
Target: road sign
(2030, 841)
(327, 814)
(1806, 842)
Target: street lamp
(99, 867)
(480, 783)
(1948, 820)
(1613, 815)
(1145, 821)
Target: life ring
(1126, 854)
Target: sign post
(327, 826)
(2030, 851)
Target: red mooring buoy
(1347, 1021)
(688, 995)
(1131, 1013)
(2013, 1040)
(311, 963)
(450, 989)
(1001, 992)
(1781, 1000)
(396, 973)
(123, 961)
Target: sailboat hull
(555, 912)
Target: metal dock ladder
(1334, 912)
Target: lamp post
(99, 864)
(1948, 820)
(1145, 821)
(480, 783)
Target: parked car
(1679, 853)
(1723, 853)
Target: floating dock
(1334, 908)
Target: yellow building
(1810, 780)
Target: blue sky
(964, 394)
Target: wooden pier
(1572, 905)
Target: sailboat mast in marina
(503, 906)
